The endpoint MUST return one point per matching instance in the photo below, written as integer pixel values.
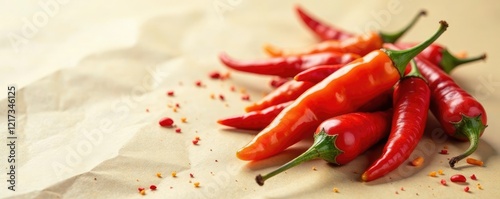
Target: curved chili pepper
(317, 74)
(361, 44)
(288, 91)
(258, 120)
(322, 30)
(411, 104)
(341, 139)
(287, 66)
(342, 92)
(440, 56)
(254, 120)
(461, 116)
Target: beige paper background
(87, 73)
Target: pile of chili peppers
(349, 92)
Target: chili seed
(196, 184)
(479, 186)
(433, 174)
(417, 161)
(183, 119)
(174, 174)
(166, 122)
(458, 178)
(143, 192)
(440, 172)
(473, 176)
(335, 190)
(158, 174)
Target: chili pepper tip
(259, 180)
(393, 37)
(470, 128)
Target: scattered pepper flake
(479, 186)
(221, 97)
(458, 178)
(197, 138)
(402, 188)
(196, 184)
(216, 160)
(166, 122)
(225, 75)
(147, 110)
(170, 93)
(245, 97)
(473, 176)
(443, 181)
(174, 174)
(191, 175)
(418, 161)
(143, 192)
(152, 187)
(178, 130)
(212, 96)
(174, 109)
(232, 88)
(466, 189)
(445, 147)
(443, 151)
(335, 190)
(140, 189)
(475, 162)
(158, 175)
(214, 75)
(243, 90)
(433, 174)
(440, 172)
(198, 83)
(195, 142)
(314, 168)
(183, 119)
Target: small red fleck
(170, 93)
(215, 75)
(221, 97)
(166, 122)
(195, 142)
(466, 189)
(245, 97)
(443, 151)
(140, 189)
(232, 88)
(147, 110)
(152, 187)
(402, 188)
(473, 176)
(198, 83)
(216, 160)
(178, 130)
(177, 105)
(458, 178)
(191, 175)
(443, 181)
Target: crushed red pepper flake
(195, 142)
(232, 88)
(142, 192)
(158, 175)
(147, 110)
(443, 181)
(183, 119)
(212, 96)
(198, 83)
(166, 122)
(479, 186)
(152, 187)
(433, 174)
(214, 75)
(174, 174)
(170, 93)
(140, 189)
(466, 189)
(402, 188)
(178, 130)
(196, 184)
(221, 97)
(245, 97)
(473, 176)
(335, 190)
(191, 175)
(197, 138)
(443, 151)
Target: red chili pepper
(342, 92)
(441, 57)
(411, 104)
(287, 66)
(317, 74)
(461, 116)
(255, 120)
(322, 30)
(258, 120)
(361, 44)
(285, 93)
(458, 178)
(340, 139)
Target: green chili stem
(393, 37)
(449, 61)
(401, 58)
(470, 127)
(323, 147)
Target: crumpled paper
(87, 115)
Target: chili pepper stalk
(469, 128)
(342, 92)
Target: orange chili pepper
(361, 45)
(342, 92)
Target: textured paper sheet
(92, 82)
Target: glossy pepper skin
(287, 92)
(317, 74)
(461, 116)
(258, 120)
(411, 104)
(340, 139)
(361, 44)
(322, 30)
(287, 66)
(342, 92)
